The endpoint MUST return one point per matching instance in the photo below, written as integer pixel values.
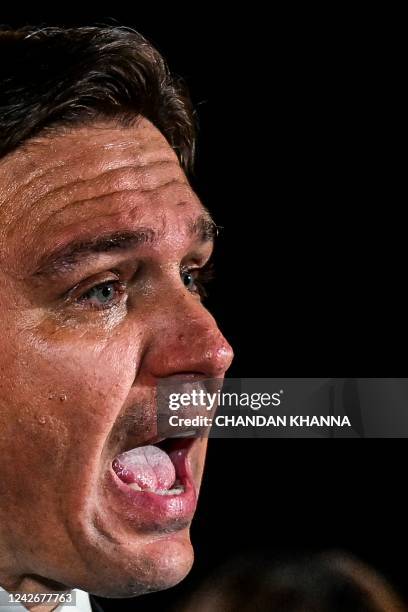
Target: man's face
(100, 239)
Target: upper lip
(130, 435)
(150, 441)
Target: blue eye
(188, 279)
(103, 295)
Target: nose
(185, 339)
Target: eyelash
(201, 277)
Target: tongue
(147, 466)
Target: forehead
(88, 178)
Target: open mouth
(158, 468)
(152, 487)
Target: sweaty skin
(77, 380)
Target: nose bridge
(200, 329)
(188, 340)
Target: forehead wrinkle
(27, 168)
(117, 177)
(31, 172)
(39, 173)
(123, 194)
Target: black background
(298, 159)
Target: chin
(160, 565)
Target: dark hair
(55, 77)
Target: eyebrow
(68, 257)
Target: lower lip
(148, 511)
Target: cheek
(59, 399)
